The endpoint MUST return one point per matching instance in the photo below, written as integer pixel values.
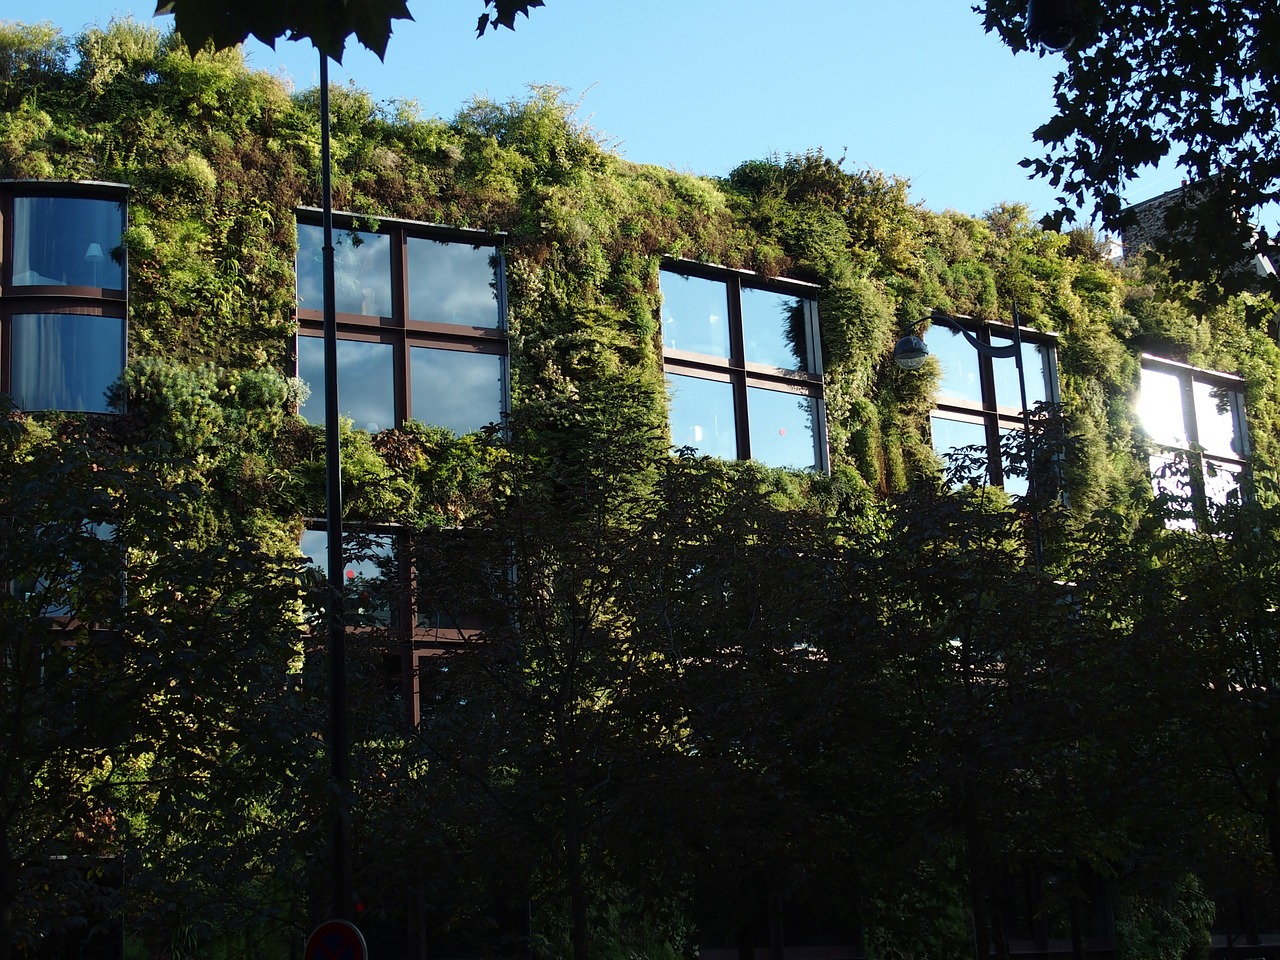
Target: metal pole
(1027, 447)
(339, 746)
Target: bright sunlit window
(1194, 420)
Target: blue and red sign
(336, 940)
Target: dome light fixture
(1054, 24)
(910, 352)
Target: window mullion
(737, 368)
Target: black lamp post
(911, 352)
(339, 737)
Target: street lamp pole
(339, 737)
(911, 352)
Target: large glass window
(370, 576)
(64, 361)
(62, 294)
(980, 399)
(67, 241)
(1194, 420)
(421, 325)
(744, 370)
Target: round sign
(336, 940)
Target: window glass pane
(702, 416)
(781, 428)
(1014, 484)
(1221, 483)
(1171, 482)
(1160, 408)
(68, 241)
(361, 270)
(695, 315)
(450, 388)
(366, 383)
(1036, 368)
(452, 283)
(1215, 419)
(962, 445)
(961, 377)
(56, 590)
(774, 329)
(368, 576)
(65, 361)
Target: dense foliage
(704, 689)
(1180, 80)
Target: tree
(1191, 81)
(327, 25)
(145, 670)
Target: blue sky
(913, 87)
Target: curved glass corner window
(366, 382)
(775, 329)
(456, 389)
(695, 314)
(701, 415)
(361, 271)
(781, 428)
(68, 242)
(452, 283)
(65, 361)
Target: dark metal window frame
(404, 637)
(56, 299)
(398, 330)
(737, 371)
(995, 417)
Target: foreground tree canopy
(1180, 80)
(327, 25)
(702, 692)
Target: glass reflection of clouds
(781, 428)
(455, 389)
(366, 385)
(452, 283)
(961, 374)
(370, 560)
(695, 314)
(702, 416)
(362, 271)
(773, 329)
(1035, 366)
